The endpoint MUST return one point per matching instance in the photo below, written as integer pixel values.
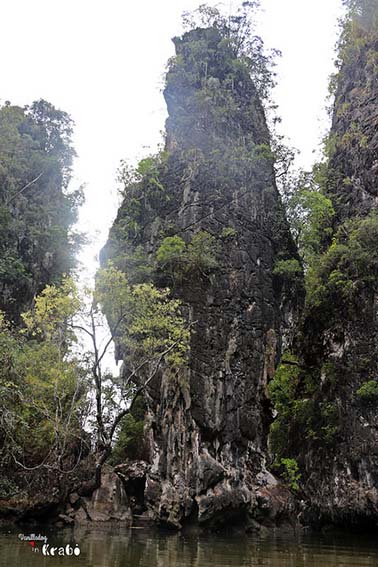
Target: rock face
(353, 171)
(107, 503)
(207, 427)
(340, 337)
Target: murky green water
(119, 547)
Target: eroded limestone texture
(339, 342)
(207, 426)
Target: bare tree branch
(23, 189)
(125, 411)
(290, 362)
(80, 328)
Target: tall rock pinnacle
(208, 218)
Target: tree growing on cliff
(364, 11)
(49, 390)
(149, 329)
(238, 32)
(310, 212)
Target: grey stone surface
(207, 425)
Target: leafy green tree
(202, 252)
(368, 392)
(365, 12)
(37, 210)
(177, 258)
(238, 32)
(310, 213)
(290, 270)
(171, 254)
(151, 332)
(291, 473)
(47, 388)
(347, 267)
(43, 385)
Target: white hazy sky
(103, 63)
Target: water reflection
(120, 547)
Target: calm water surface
(120, 547)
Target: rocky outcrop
(353, 142)
(207, 427)
(108, 503)
(339, 343)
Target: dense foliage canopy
(37, 209)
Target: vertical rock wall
(340, 335)
(207, 427)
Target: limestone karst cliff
(261, 358)
(333, 422)
(204, 218)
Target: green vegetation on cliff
(37, 211)
(201, 284)
(47, 387)
(328, 387)
(47, 382)
(204, 218)
(216, 137)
